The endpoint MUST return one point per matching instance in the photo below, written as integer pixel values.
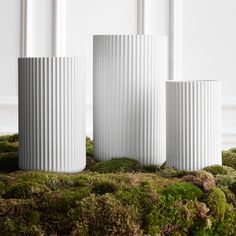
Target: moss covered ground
(117, 197)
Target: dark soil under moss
(117, 197)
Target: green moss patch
(104, 215)
(25, 190)
(65, 199)
(216, 201)
(151, 168)
(185, 191)
(116, 197)
(202, 179)
(174, 217)
(216, 170)
(117, 165)
(9, 138)
(89, 147)
(229, 159)
(9, 161)
(8, 147)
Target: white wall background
(208, 36)
(209, 49)
(40, 28)
(9, 51)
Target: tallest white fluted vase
(129, 97)
(52, 114)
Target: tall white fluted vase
(52, 114)
(129, 97)
(193, 124)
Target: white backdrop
(208, 36)
(9, 51)
(209, 49)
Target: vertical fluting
(52, 114)
(129, 97)
(193, 110)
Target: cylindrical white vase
(52, 114)
(129, 97)
(193, 124)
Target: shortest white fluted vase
(193, 124)
(52, 114)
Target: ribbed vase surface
(193, 124)
(129, 97)
(52, 114)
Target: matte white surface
(9, 48)
(175, 39)
(209, 49)
(129, 97)
(9, 51)
(52, 114)
(153, 17)
(193, 124)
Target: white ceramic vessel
(52, 114)
(193, 124)
(129, 97)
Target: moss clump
(230, 196)
(216, 201)
(25, 190)
(151, 168)
(148, 200)
(227, 226)
(117, 165)
(142, 197)
(14, 218)
(89, 147)
(81, 180)
(230, 171)
(224, 180)
(33, 217)
(9, 138)
(184, 191)
(229, 159)
(55, 206)
(104, 215)
(2, 188)
(5, 179)
(172, 173)
(232, 187)
(19, 227)
(8, 147)
(223, 215)
(9, 161)
(49, 180)
(202, 179)
(104, 186)
(232, 150)
(216, 170)
(171, 217)
(63, 200)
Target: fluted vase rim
(192, 81)
(131, 35)
(52, 57)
